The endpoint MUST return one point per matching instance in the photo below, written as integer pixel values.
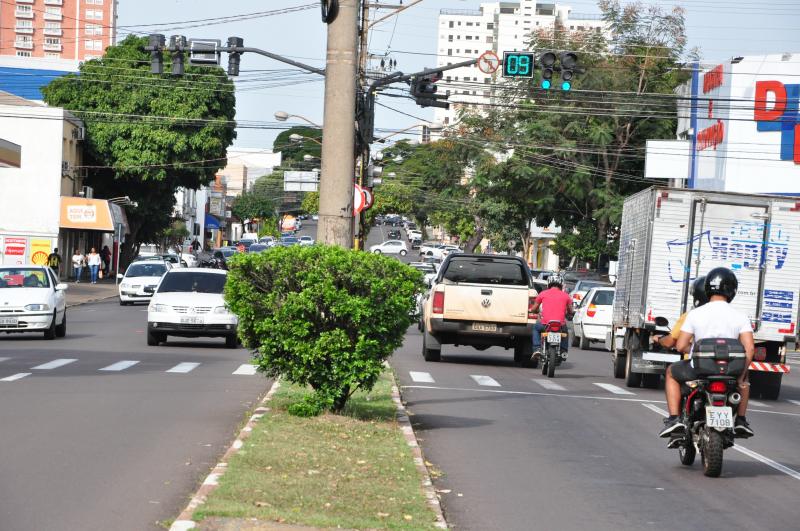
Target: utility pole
(363, 63)
(338, 138)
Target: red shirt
(554, 303)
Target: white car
(189, 303)
(306, 240)
(411, 234)
(269, 241)
(592, 321)
(140, 280)
(390, 247)
(190, 259)
(428, 247)
(32, 300)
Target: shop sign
(14, 249)
(40, 250)
(82, 213)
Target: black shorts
(682, 371)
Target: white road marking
(549, 384)
(246, 369)
(184, 367)
(55, 364)
(17, 376)
(657, 409)
(486, 381)
(4, 359)
(120, 365)
(795, 402)
(421, 377)
(757, 403)
(614, 389)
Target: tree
(293, 152)
(147, 135)
(310, 204)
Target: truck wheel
(523, 351)
(711, 453)
(231, 341)
(632, 379)
(551, 362)
(771, 389)
(651, 381)
(584, 341)
(430, 354)
(618, 365)
(153, 338)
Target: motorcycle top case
(718, 357)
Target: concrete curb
(81, 303)
(411, 439)
(184, 520)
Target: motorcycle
(552, 337)
(708, 404)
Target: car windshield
(23, 278)
(257, 247)
(589, 284)
(289, 239)
(603, 298)
(486, 271)
(140, 269)
(196, 282)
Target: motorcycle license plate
(554, 337)
(719, 417)
(484, 327)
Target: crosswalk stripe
(55, 364)
(795, 402)
(757, 403)
(421, 377)
(614, 389)
(184, 367)
(4, 359)
(484, 380)
(549, 385)
(246, 369)
(17, 376)
(120, 365)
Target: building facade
(499, 27)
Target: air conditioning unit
(87, 192)
(79, 133)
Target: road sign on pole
(359, 200)
(489, 62)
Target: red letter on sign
(761, 113)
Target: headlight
(37, 307)
(163, 308)
(221, 309)
(124, 285)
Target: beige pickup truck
(481, 300)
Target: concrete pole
(338, 133)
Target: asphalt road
(518, 451)
(90, 449)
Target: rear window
(603, 298)
(589, 284)
(143, 269)
(486, 271)
(192, 282)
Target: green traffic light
(566, 85)
(546, 84)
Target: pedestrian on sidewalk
(77, 265)
(94, 264)
(105, 255)
(54, 262)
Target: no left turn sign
(489, 62)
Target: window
(52, 55)
(490, 39)
(449, 51)
(487, 80)
(490, 25)
(449, 38)
(451, 23)
(447, 79)
(469, 23)
(21, 53)
(94, 14)
(52, 11)
(52, 41)
(94, 29)
(486, 94)
(93, 45)
(467, 51)
(95, 2)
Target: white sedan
(189, 303)
(592, 321)
(140, 280)
(32, 300)
(306, 240)
(390, 247)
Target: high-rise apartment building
(497, 26)
(75, 30)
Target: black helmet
(555, 280)
(699, 291)
(721, 281)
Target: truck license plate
(8, 321)
(484, 327)
(554, 337)
(191, 320)
(719, 417)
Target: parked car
(189, 303)
(246, 242)
(306, 240)
(582, 287)
(32, 300)
(450, 249)
(394, 234)
(416, 243)
(592, 321)
(413, 233)
(427, 269)
(286, 241)
(267, 240)
(315, 217)
(140, 280)
(390, 247)
(257, 248)
(190, 259)
(429, 246)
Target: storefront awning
(10, 154)
(211, 222)
(87, 214)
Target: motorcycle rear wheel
(711, 453)
(687, 453)
(552, 353)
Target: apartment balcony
(23, 13)
(23, 45)
(24, 29)
(55, 32)
(54, 2)
(52, 47)
(53, 16)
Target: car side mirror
(120, 276)
(61, 287)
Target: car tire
(61, 330)
(377, 251)
(155, 338)
(523, 351)
(403, 252)
(231, 341)
(50, 333)
(432, 355)
(632, 379)
(575, 339)
(124, 303)
(585, 343)
(618, 364)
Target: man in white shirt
(716, 319)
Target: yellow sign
(40, 250)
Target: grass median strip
(353, 471)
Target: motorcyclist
(699, 299)
(555, 305)
(715, 319)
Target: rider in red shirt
(555, 305)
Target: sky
(721, 29)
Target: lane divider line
(549, 384)
(246, 369)
(119, 366)
(486, 381)
(184, 367)
(611, 388)
(421, 377)
(55, 364)
(15, 377)
(795, 402)
(4, 359)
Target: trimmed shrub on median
(322, 316)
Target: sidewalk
(87, 292)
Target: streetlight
(433, 126)
(282, 116)
(294, 137)
(309, 158)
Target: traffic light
(177, 43)
(424, 89)
(155, 45)
(547, 62)
(569, 61)
(234, 58)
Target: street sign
(359, 200)
(517, 64)
(369, 198)
(204, 51)
(300, 181)
(489, 62)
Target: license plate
(191, 320)
(554, 337)
(484, 327)
(8, 320)
(719, 417)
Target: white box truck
(669, 237)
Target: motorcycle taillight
(555, 327)
(717, 387)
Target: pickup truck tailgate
(497, 304)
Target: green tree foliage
(322, 315)
(147, 135)
(292, 152)
(310, 204)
